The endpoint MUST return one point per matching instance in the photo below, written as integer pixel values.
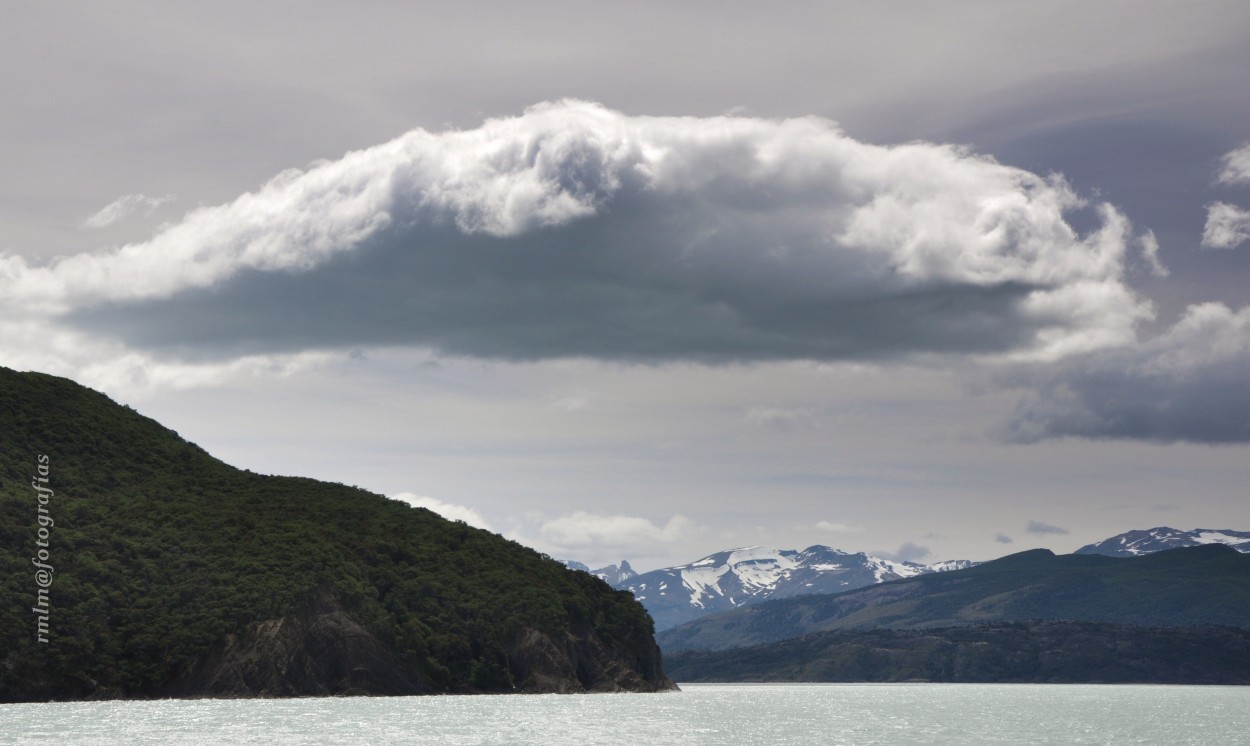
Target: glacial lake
(770, 714)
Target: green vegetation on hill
(1205, 585)
(160, 552)
(1020, 652)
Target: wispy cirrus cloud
(782, 418)
(838, 528)
(123, 207)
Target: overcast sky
(650, 280)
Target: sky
(650, 280)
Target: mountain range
(1147, 541)
(1203, 585)
(822, 614)
(734, 578)
(749, 575)
(613, 575)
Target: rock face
(320, 651)
(323, 651)
(585, 663)
(615, 575)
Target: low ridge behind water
(772, 714)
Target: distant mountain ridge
(745, 576)
(1162, 538)
(1203, 585)
(613, 575)
(1004, 652)
(748, 575)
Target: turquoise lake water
(773, 714)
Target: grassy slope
(160, 550)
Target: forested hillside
(170, 572)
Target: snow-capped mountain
(1133, 543)
(739, 577)
(613, 575)
(749, 575)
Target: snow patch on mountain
(701, 582)
(749, 575)
(948, 565)
(1161, 538)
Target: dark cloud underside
(602, 287)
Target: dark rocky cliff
(586, 662)
(318, 651)
(323, 651)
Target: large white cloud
(576, 230)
